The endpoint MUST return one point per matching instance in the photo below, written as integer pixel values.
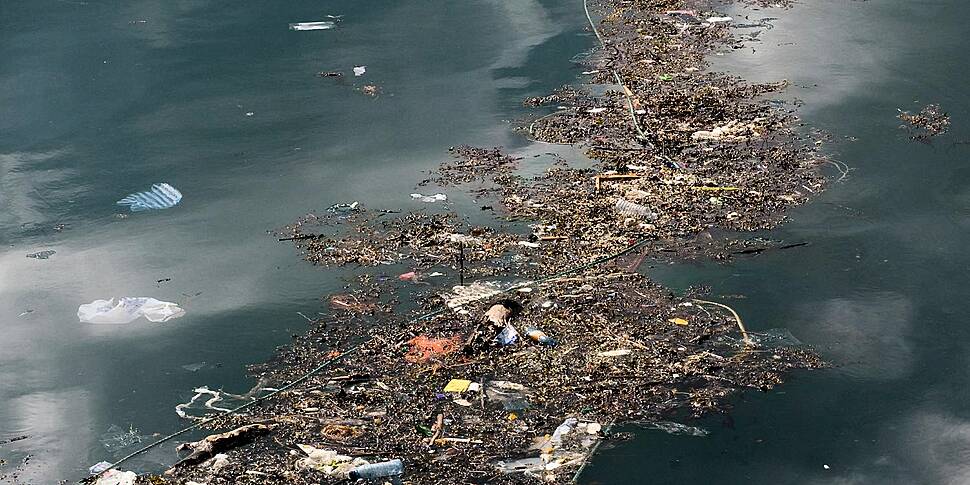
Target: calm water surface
(100, 99)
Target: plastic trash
(127, 310)
(562, 430)
(161, 196)
(715, 20)
(42, 254)
(328, 461)
(457, 385)
(378, 470)
(522, 465)
(512, 396)
(99, 467)
(325, 25)
(343, 209)
(508, 336)
(430, 198)
(359, 70)
(626, 207)
(117, 477)
(539, 336)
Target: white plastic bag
(127, 310)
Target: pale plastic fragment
(430, 198)
(714, 20)
(127, 310)
(326, 25)
(359, 70)
(328, 461)
(117, 477)
(161, 196)
(614, 353)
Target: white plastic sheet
(127, 310)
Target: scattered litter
(614, 353)
(42, 254)
(508, 336)
(528, 244)
(329, 462)
(161, 196)
(359, 70)
(127, 310)
(325, 25)
(733, 131)
(462, 402)
(678, 321)
(457, 385)
(539, 336)
(462, 295)
(117, 477)
(344, 208)
(26, 312)
(595, 110)
(931, 121)
(377, 470)
(626, 207)
(99, 467)
(715, 20)
(430, 198)
(370, 90)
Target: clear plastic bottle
(378, 470)
(626, 207)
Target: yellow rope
(744, 331)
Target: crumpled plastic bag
(328, 461)
(127, 310)
(161, 196)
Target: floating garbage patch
(127, 310)
(161, 196)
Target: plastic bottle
(631, 209)
(539, 336)
(378, 470)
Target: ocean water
(221, 100)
